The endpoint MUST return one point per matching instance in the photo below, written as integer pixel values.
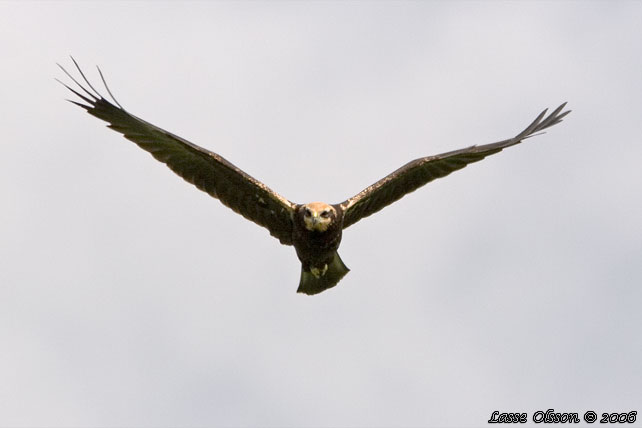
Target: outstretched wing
(206, 170)
(421, 171)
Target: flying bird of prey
(314, 228)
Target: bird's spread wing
(423, 170)
(206, 170)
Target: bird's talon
(319, 272)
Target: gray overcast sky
(129, 298)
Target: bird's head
(318, 216)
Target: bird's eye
(325, 214)
(308, 213)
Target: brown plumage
(314, 229)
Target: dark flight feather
(208, 171)
(422, 171)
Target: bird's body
(316, 237)
(314, 229)
(315, 246)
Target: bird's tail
(312, 284)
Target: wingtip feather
(107, 87)
(86, 107)
(97, 94)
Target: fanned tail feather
(311, 284)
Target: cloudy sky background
(129, 298)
